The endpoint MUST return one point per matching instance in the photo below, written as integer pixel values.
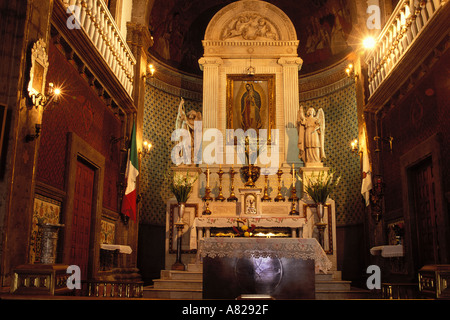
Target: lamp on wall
(354, 147)
(146, 147)
(149, 72)
(40, 99)
(350, 71)
(151, 69)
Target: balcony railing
(99, 26)
(404, 27)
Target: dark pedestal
(281, 278)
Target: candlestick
(220, 197)
(266, 195)
(279, 197)
(232, 196)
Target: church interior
(135, 140)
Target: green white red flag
(129, 201)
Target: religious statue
(187, 122)
(311, 136)
(250, 108)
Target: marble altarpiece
(250, 42)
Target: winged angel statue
(187, 122)
(311, 136)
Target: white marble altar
(202, 225)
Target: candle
(207, 176)
(293, 176)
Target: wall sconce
(146, 147)
(53, 95)
(388, 139)
(151, 69)
(355, 147)
(149, 72)
(39, 99)
(350, 71)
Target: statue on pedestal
(187, 122)
(311, 136)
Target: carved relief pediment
(250, 20)
(250, 26)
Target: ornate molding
(241, 28)
(250, 26)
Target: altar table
(281, 267)
(228, 222)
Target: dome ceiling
(323, 28)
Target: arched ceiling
(323, 28)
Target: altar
(252, 149)
(202, 225)
(281, 268)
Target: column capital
(290, 61)
(210, 61)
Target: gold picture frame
(38, 73)
(256, 113)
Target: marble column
(210, 67)
(291, 66)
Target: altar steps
(174, 284)
(331, 287)
(187, 285)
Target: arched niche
(252, 38)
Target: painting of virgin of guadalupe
(251, 102)
(250, 108)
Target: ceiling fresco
(178, 27)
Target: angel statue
(311, 136)
(187, 122)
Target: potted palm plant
(319, 188)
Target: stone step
(181, 275)
(178, 284)
(194, 267)
(151, 293)
(332, 285)
(353, 293)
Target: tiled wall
(161, 110)
(341, 127)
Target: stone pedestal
(49, 242)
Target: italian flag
(129, 199)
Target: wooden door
(82, 217)
(424, 199)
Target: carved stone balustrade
(413, 28)
(94, 18)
